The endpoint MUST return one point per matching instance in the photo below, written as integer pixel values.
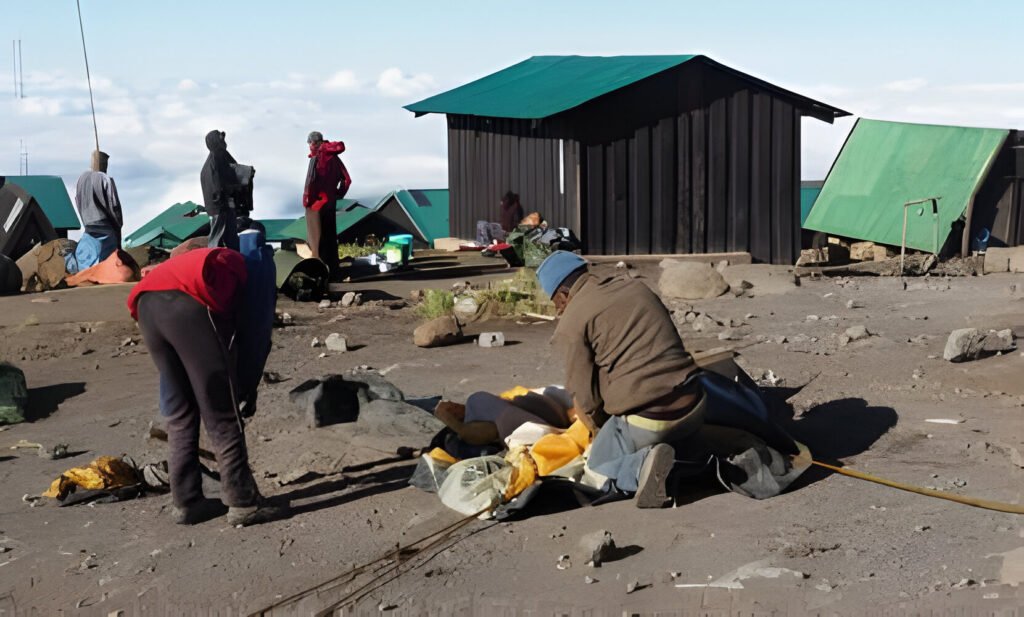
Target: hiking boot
(198, 512)
(262, 512)
(651, 492)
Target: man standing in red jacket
(327, 181)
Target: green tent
(171, 227)
(809, 191)
(52, 196)
(420, 212)
(350, 212)
(883, 165)
(275, 229)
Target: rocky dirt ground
(833, 545)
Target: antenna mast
(88, 78)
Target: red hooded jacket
(327, 180)
(212, 276)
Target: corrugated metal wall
(722, 177)
(488, 156)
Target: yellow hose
(967, 501)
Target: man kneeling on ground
(628, 372)
(206, 317)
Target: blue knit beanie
(555, 268)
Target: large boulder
(438, 332)
(690, 280)
(964, 344)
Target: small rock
(729, 335)
(563, 563)
(349, 298)
(1000, 341)
(596, 547)
(286, 318)
(965, 583)
(491, 339)
(315, 342)
(844, 340)
(921, 528)
(324, 304)
(811, 318)
(853, 304)
(633, 586)
(438, 332)
(690, 281)
(336, 342)
(779, 340)
(857, 333)
(271, 377)
(128, 342)
(590, 580)
(322, 355)
(621, 265)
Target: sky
(267, 73)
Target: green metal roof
(52, 196)
(542, 86)
(885, 164)
(808, 194)
(169, 228)
(428, 210)
(349, 213)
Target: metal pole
(14, 59)
(88, 78)
(21, 72)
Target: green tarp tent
(349, 213)
(883, 165)
(171, 227)
(52, 196)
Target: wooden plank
(640, 183)
(699, 186)
(783, 194)
(760, 179)
(717, 222)
(663, 171)
(739, 172)
(620, 192)
(684, 213)
(594, 209)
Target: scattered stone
(272, 377)
(336, 342)
(921, 528)
(323, 354)
(128, 342)
(690, 281)
(811, 318)
(438, 332)
(862, 251)
(349, 299)
(589, 580)
(740, 287)
(634, 586)
(315, 342)
(702, 322)
(621, 265)
(324, 304)
(690, 317)
(596, 547)
(857, 333)
(844, 340)
(965, 583)
(563, 563)
(286, 319)
(491, 339)
(853, 304)
(964, 344)
(729, 335)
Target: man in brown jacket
(628, 371)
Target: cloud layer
(155, 134)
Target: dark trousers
(190, 349)
(224, 229)
(322, 235)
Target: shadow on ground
(44, 401)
